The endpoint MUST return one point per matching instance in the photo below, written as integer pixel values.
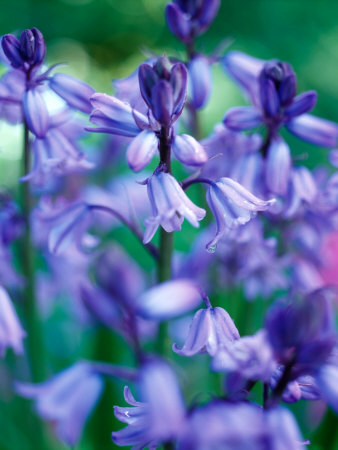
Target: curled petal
(169, 299)
(278, 166)
(314, 130)
(112, 113)
(242, 118)
(189, 151)
(35, 112)
(75, 92)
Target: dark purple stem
(150, 247)
(186, 184)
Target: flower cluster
(265, 253)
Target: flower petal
(314, 130)
(169, 299)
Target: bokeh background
(105, 39)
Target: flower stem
(33, 327)
(164, 274)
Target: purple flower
(187, 19)
(158, 418)
(302, 334)
(304, 387)
(272, 88)
(210, 330)
(66, 400)
(169, 299)
(164, 88)
(250, 357)
(170, 205)
(57, 153)
(222, 425)
(11, 332)
(232, 205)
(26, 53)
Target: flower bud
(11, 47)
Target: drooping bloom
(66, 400)
(232, 205)
(250, 357)
(170, 205)
(210, 330)
(229, 425)
(302, 334)
(159, 417)
(24, 89)
(11, 332)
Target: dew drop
(212, 248)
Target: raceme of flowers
(272, 220)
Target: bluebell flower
(232, 205)
(11, 331)
(170, 205)
(169, 299)
(163, 87)
(23, 93)
(302, 334)
(188, 19)
(231, 425)
(210, 330)
(157, 418)
(272, 88)
(250, 357)
(57, 153)
(66, 400)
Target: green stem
(34, 338)
(164, 274)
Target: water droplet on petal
(212, 248)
